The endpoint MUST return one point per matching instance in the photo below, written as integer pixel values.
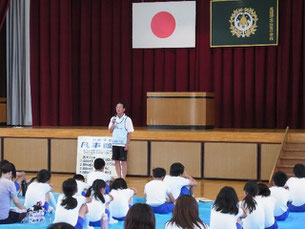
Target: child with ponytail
(40, 191)
(254, 208)
(97, 207)
(71, 207)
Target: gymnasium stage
(235, 154)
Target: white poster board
(88, 149)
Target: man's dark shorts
(119, 153)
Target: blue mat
(294, 221)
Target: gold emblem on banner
(243, 22)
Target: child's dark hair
(3, 162)
(159, 172)
(251, 190)
(299, 170)
(140, 216)
(186, 214)
(8, 167)
(69, 188)
(96, 187)
(119, 183)
(226, 201)
(60, 226)
(263, 190)
(43, 176)
(280, 178)
(99, 163)
(176, 169)
(79, 177)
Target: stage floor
(143, 133)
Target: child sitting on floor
(71, 207)
(281, 195)
(82, 187)
(186, 215)
(158, 194)
(98, 173)
(296, 187)
(40, 191)
(97, 207)
(122, 199)
(269, 205)
(179, 182)
(7, 193)
(254, 208)
(226, 212)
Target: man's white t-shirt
(296, 187)
(219, 220)
(120, 205)
(175, 183)
(156, 192)
(36, 192)
(68, 216)
(94, 175)
(281, 196)
(123, 126)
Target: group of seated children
(85, 204)
(261, 207)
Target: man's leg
(124, 168)
(117, 165)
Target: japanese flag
(163, 24)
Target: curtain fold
(82, 64)
(19, 108)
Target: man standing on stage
(121, 128)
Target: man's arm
(111, 125)
(128, 141)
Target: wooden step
(291, 161)
(296, 154)
(294, 146)
(285, 168)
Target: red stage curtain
(4, 4)
(82, 64)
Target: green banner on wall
(244, 23)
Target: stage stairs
(291, 153)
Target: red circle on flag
(163, 24)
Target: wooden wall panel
(163, 154)
(137, 158)
(63, 155)
(269, 153)
(230, 160)
(27, 154)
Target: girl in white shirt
(122, 199)
(40, 191)
(254, 208)
(186, 215)
(225, 212)
(97, 207)
(296, 186)
(71, 208)
(269, 205)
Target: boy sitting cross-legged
(158, 194)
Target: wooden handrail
(280, 154)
